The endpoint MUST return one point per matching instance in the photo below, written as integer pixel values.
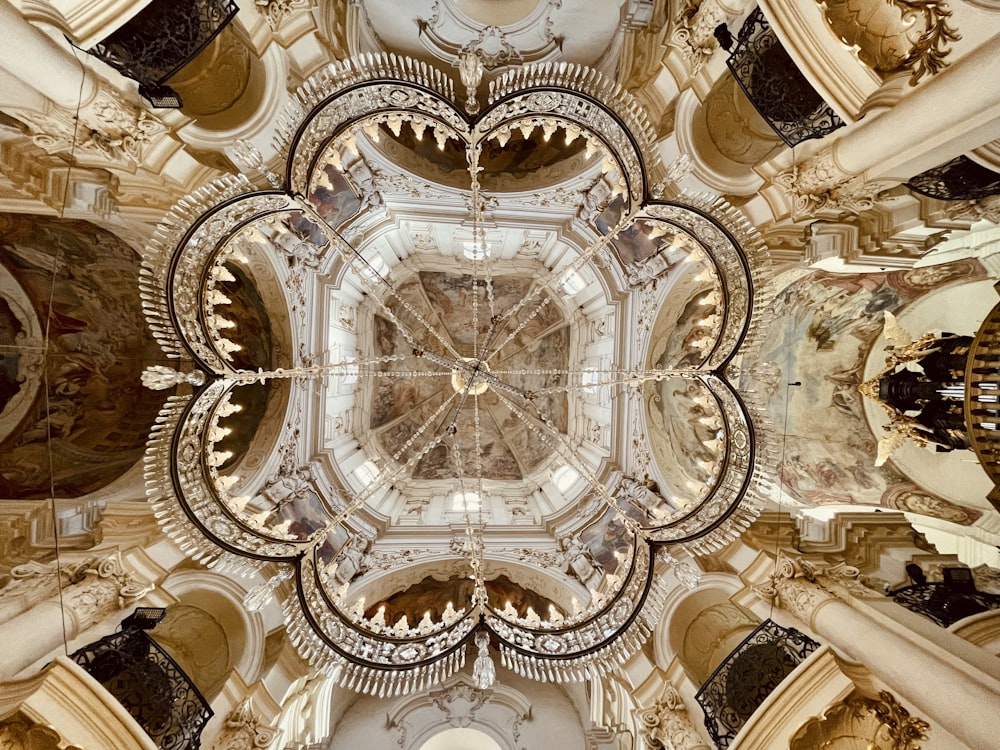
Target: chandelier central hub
(470, 377)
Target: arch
(461, 738)
(982, 629)
(682, 605)
(496, 714)
(711, 635)
(222, 599)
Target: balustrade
(148, 683)
(748, 675)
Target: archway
(461, 738)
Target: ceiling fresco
(506, 450)
(828, 323)
(81, 404)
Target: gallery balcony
(148, 683)
(748, 676)
(776, 87)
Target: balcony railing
(960, 179)
(748, 675)
(944, 603)
(149, 684)
(161, 39)
(776, 87)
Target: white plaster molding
(196, 585)
(717, 172)
(87, 715)
(725, 585)
(497, 712)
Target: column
(943, 689)
(950, 114)
(40, 61)
(44, 628)
(667, 726)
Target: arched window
(461, 739)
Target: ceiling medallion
(507, 374)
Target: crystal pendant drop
(484, 672)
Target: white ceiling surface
(588, 27)
(461, 739)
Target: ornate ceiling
(502, 399)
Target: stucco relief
(276, 12)
(244, 730)
(896, 35)
(820, 185)
(881, 723)
(694, 27)
(19, 732)
(666, 724)
(712, 635)
(113, 130)
(735, 126)
(499, 712)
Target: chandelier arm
(472, 154)
(352, 256)
(384, 478)
(566, 451)
(550, 277)
(528, 319)
(423, 427)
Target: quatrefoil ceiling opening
(456, 375)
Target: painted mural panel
(92, 415)
(825, 326)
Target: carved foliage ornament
(880, 723)
(278, 11)
(895, 35)
(666, 724)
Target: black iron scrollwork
(960, 179)
(945, 604)
(776, 87)
(151, 687)
(748, 675)
(164, 37)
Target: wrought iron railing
(748, 675)
(944, 603)
(161, 39)
(960, 179)
(150, 685)
(776, 87)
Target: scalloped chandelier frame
(193, 499)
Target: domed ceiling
(482, 409)
(537, 353)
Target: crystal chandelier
(577, 391)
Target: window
(564, 477)
(573, 283)
(466, 501)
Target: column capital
(803, 587)
(244, 730)
(666, 724)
